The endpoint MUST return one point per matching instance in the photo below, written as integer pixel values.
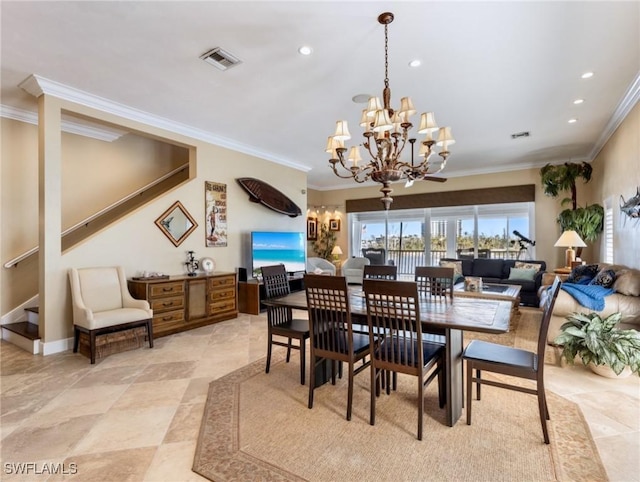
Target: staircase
(24, 334)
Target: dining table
(451, 317)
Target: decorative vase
(606, 371)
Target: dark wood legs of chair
(539, 392)
(320, 363)
(289, 344)
(93, 334)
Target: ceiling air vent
(220, 58)
(518, 135)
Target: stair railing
(13, 262)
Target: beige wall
(136, 243)
(616, 172)
(547, 230)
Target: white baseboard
(58, 346)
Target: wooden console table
(251, 294)
(181, 303)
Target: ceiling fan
(415, 175)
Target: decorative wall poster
(215, 209)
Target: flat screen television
(275, 247)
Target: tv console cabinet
(251, 293)
(181, 303)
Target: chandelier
(386, 132)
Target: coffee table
(492, 291)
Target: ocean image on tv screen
(269, 248)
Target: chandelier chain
(386, 55)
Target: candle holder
(191, 264)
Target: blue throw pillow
(604, 278)
(583, 274)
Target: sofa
(499, 271)
(353, 269)
(625, 299)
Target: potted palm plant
(587, 221)
(599, 343)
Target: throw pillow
(457, 269)
(522, 274)
(526, 265)
(604, 278)
(583, 273)
(628, 282)
(456, 265)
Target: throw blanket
(589, 296)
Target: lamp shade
(427, 123)
(570, 239)
(342, 131)
(336, 250)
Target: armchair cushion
(320, 266)
(353, 269)
(102, 304)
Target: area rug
(257, 426)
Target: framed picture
(312, 229)
(215, 208)
(334, 225)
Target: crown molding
(71, 126)
(628, 102)
(36, 86)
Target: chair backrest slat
(381, 271)
(435, 281)
(276, 284)
(275, 280)
(393, 308)
(329, 314)
(547, 311)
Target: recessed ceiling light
(587, 75)
(415, 63)
(572, 121)
(361, 98)
(305, 50)
(578, 101)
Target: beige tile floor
(135, 415)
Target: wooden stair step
(33, 309)
(24, 328)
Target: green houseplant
(597, 341)
(587, 221)
(325, 243)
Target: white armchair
(320, 266)
(353, 269)
(102, 304)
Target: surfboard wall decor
(267, 195)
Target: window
(607, 234)
(473, 231)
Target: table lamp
(336, 252)
(569, 240)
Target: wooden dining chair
(435, 282)
(491, 357)
(281, 323)
(332, 336)
(393, 307)
(381, 271)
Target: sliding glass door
(485, 231)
